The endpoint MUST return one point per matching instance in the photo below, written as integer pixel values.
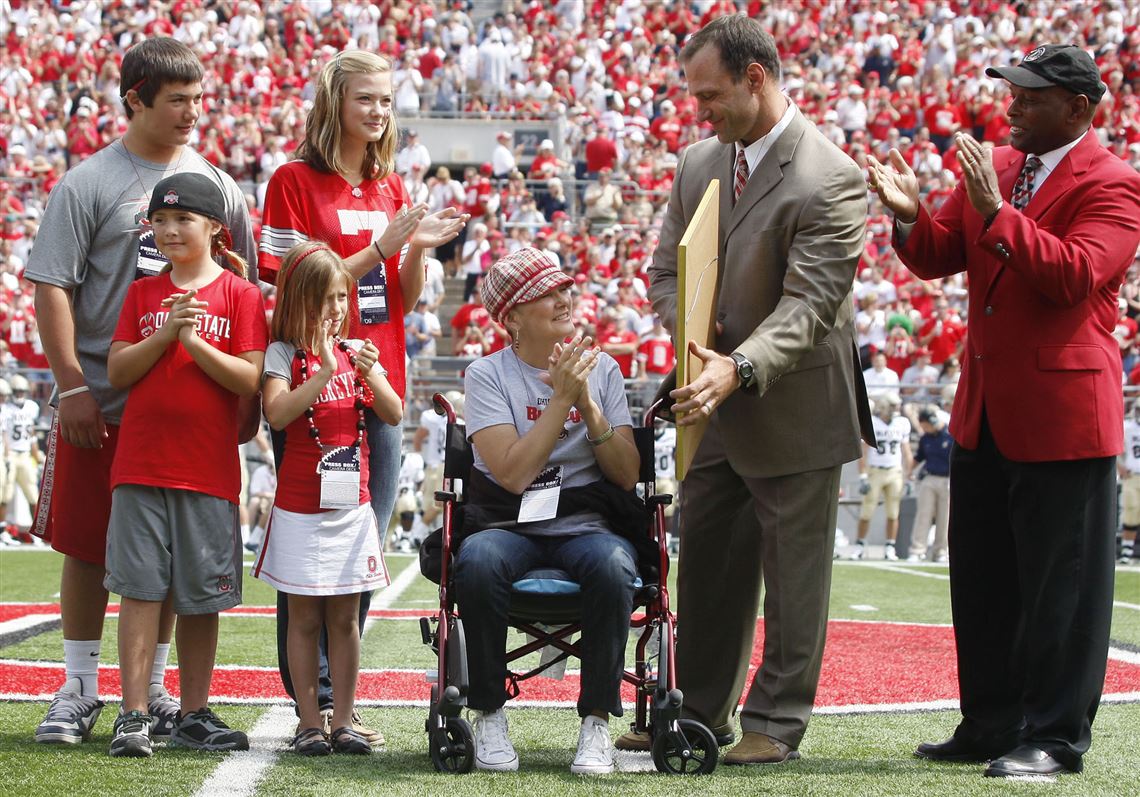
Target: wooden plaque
(697, 273)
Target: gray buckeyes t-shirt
(502, 389)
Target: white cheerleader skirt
(327, 553)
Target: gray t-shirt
(90, 239)
(502, 389)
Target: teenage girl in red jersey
(342, 190)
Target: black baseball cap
(927, 416)
(1064, 65)
(196, 193)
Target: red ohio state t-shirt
(180, 427)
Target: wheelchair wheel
(453, 747)
(689, 750)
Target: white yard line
(910, 571)
(390, 594)
(241, 773)
(1123, 605)
(26, 622)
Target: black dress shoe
(958, 750)
(1024, 761)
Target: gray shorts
(162, 540)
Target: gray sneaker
(71, 717)
(164, 709)
(131, 738)
(202, 730)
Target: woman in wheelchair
(545, 416)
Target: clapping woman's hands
(570, 367)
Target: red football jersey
(180, 427)
(303, 204)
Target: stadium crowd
(872, 75)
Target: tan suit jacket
(787, 265)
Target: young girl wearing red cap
(322, 547)
(189, 342)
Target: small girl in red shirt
(189, 342)
(322, 547)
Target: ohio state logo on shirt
(215, 328)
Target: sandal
(310, 742)
(347, 740)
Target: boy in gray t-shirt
(92, 244)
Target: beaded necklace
(358, 393)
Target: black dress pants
(1031, 584)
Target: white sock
(593, 720)
(81, 660)
(158, 671)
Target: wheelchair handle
(443, 407)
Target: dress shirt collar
(755, 152)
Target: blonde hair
(221, 245)
(321, 147)
(306, 275)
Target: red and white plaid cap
(522, 276)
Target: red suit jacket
(1040, 357)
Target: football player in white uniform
(22, 453)
(881, 472)
(1129, 469)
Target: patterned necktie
(741, 175)
(1023, 188)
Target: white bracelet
(603, 437)
(75, 391)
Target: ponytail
(221, 245)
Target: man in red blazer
(1045, 229)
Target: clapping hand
(366, 358)
(325, 346)
(570, 367)
(400, 228)
(896, 185)
(978, 175)
(182, 321)
(439, 228)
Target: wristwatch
(744, 370)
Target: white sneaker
(913, 558)
(889, 552)
(71, 717)
(942, 559)
(595, 750)
(493, 748)
(857, 552)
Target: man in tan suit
(783, 388)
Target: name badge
(151, 261)
(540, 501)
(372, 296)
(339, 469)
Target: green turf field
(863, 754)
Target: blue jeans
(605, 565)
(384, 443)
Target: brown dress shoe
(637, 741)
(759, 748)
(374, 737)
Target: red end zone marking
(864, 664)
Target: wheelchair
(545, 605)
